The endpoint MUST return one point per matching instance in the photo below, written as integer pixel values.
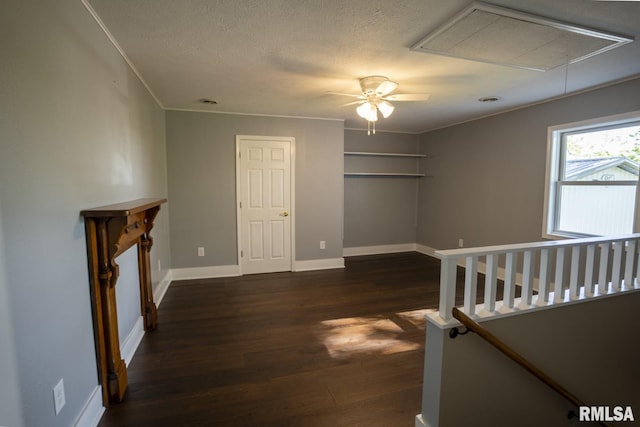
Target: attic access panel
(497, 35)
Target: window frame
(554, 176)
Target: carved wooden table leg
(116, 369)
(149, 309)
(96, 304)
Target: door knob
(285, 213)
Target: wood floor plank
(335, 348)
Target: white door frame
(292, 145)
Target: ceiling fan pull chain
(371, 127)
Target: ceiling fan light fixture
(386, 108)
(368, 111)
(363, 109)
(376, 94)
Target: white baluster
(447, 287)
(471, 285)
(558, 289)
(637, 281)
(527, 277)
(543, 283)
(628, 262)
(575, 268)
(588, 271)
(617, 265)
(490, 283)
(510, 279)
(604, 263)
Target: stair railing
(595, 266)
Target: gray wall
(201, 164)
(582, 346)
(77, 130)
(489, 174)
(380, 210)
(10, 407)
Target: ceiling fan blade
(359, 96)
(386, 87)
(408, 97)
(352, 103)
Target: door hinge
(240, 205)
(241, 254)
(239, 154)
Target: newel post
(448, 272)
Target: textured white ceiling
(282, 57)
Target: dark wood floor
(328, 348)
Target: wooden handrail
(474, 326)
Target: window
(592, 177)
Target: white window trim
(553, 164)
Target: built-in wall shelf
(402, 165)
(415, 175)
(365, 153)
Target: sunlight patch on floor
(416, 317)
(365, 335)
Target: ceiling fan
(376, 96)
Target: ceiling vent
(497, 35)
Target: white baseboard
(380, 249)
(161, 288)
(420, 422)
(426, 250)
(92, 412)
(205, 272)
(132, 341)
(318, 264)
(234, 270)
(389, 249)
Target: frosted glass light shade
(368, 111)
(385, 108)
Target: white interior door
(264, 209)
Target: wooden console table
(111, 230)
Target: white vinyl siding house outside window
(592, 178)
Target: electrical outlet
(200, 251)
(460, 243)
(58, 396)
(322, 244)
(159, 266)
